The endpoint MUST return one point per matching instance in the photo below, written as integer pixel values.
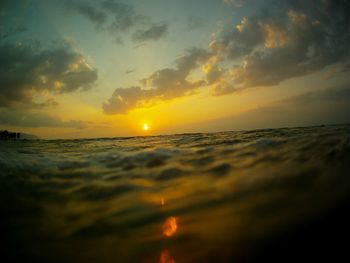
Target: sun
(145, 127)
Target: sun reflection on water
(170, 226)
(165, 257)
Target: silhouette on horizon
(6, 135)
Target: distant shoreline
(6, 135)
(186, 133)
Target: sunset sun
(145, 127)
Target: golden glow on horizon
(175, 116)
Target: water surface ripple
(274, 194)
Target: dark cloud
(223, 88)
(123, 15)
(98, 17)
(123, 100)
(29, 75)
(287, 40)
(107, 14)
(154, 32)
(163, 84)
(118, 18)
(241, 40)
(173, 82)
(22, 119)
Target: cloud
(22, 119)
(31, 76)
(155, 32)
(290, 39)
(223, 88)
(283, 40)
(123, 100)
(96, 16)
(164, 84)
(107, 14)
(118, 18)
(123, 15)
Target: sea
(271, 195)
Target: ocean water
(265, 195)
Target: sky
(105, 68)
